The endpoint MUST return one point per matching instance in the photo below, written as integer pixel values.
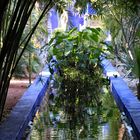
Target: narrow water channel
(76, 114)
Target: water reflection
(76, 112)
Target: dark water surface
(77, 113)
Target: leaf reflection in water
(77, 113)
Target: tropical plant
(14, 16)
(122, 19)
(30, 63)
(73, 109)
(77, 47)
(78, 57)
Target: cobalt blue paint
(90, 9)
(73, 20)
(126, 100)
(24, 111)
(53, 18)
(81, 20)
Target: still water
(76, 114)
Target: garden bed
(15, 92)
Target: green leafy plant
(77, 49)
(14, 17)
(23, 67)
(78, 58)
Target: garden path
(16, 90)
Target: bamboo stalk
(33, 30)
(11, 42)
(8, 55)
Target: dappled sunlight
(20, 83)
(15, 91)
(113, 74)
(44, 73)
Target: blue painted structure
(90, 10)
(24, 111)
(124, 97)
(52, 20)
(74, 19)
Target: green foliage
(79, 84)
(14, 17)
(77, 49)
(121, 18)
(75, 106)
(22, 69)
(78, 58)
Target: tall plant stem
(11, 43)
(30, 67)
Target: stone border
(24, 111)
(126, 100)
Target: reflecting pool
(76, 113)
